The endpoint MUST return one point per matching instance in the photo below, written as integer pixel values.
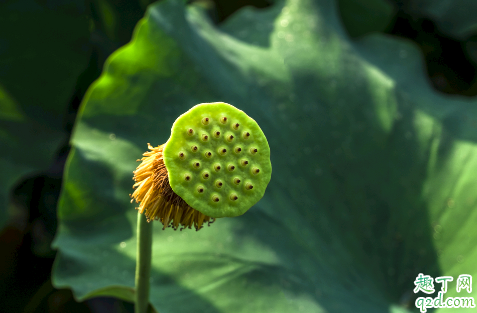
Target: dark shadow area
(449, 65)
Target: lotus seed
(238, 149)
(244, 162)
(218, 183)
(236, 181)
(187, 177)
(217, 167)
(200, 189)
(255, 171)
(205, 137)
(236, 125)
(205, 121)
(246, 135)
(253, 150)
(190, 132)
(194, 148)
(205, 175)
(215, 198)
(231, 167)
(208, 154)
(223, 120)
(248, 186)
(196, 164)
(182, 155)
(233, 197)
(217, 134)
(222, 151)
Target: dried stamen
(157, 199)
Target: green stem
(143, 263)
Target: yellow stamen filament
(157, 199)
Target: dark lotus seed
(200, 189)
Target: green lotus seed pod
(218, 160)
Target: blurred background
(26, 257)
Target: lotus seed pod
(215, 164)
(232, 165)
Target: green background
(372, 179)
(373, 160)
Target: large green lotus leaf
(456, 18)
(43, 49)
(373, 171)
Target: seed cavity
(216, 134)
(196, 164)
(218, 184)
(205, 175)
(248, 186)
(246, 135)
(205, 121)
(237, 181)
(230, 138)
(237, 149)
(244, 162)
(236, 126)
(187, 177)
(200, 189)
(194, 148)
(253, 150)
(222, 151)
(208, 154)
(233, 197)
(217, 167)
(182, 155)
(230, 167)
(223, 119)
(255, 171)
(215, 198)
(205, 137)
(190, 132)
